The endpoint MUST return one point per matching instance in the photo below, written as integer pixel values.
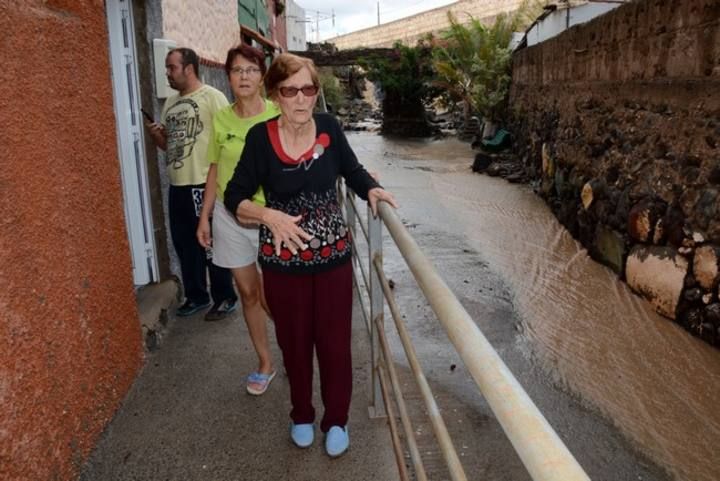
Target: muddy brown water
(591, 334)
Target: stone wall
(409, 30)
(618, 121)
(208, 27)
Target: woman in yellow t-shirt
(235, 245)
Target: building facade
(296, 23)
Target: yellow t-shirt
(227, 141)
(188, 120)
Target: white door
(138, 215)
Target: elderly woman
(235, 245)
(305, 249)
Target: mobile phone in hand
(147, 116)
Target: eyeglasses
(307, 90)
(246, 71)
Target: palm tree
(472, 61)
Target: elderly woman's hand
(286, 231)
(377, 194)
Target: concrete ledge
(153, 302)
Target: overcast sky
(352, 15)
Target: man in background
(183, 133)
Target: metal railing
(540, 449)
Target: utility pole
(378, 10)
(319, 16)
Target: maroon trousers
(314, 311)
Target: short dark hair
(247, 52)
(285, 66)
(188, 57)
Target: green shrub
(404, 76)
(333, 89)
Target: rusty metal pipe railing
(438, 424)
(353, 213)
(402, 408)
(363, 271)
(399, 458)
(351, 202)
(404, 418)
(363, 309)
(541, 450)
(378, 334)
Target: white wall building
(295, 23)
(553, 22)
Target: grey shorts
(234, 244)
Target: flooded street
(581, 330)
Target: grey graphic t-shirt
(187, 120)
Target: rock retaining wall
(618, 122)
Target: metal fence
(542, 452)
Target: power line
(320, 16)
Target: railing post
(377, 405)
(347, 204)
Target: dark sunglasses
(307, 90)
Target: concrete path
(188, 418)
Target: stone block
(610, 247)
(592, 191)
(645, 221)
(548, 163)
(639, 223)
(658, 274)
(705, 265)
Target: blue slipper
(302, 434)
(257, 382)
(337, 441)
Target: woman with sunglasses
(305, 246)
(235, 245)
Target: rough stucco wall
(209, 27)
(69, 337)
(410, 29)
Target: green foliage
(332, 89)
(405, 77)
(473, 60)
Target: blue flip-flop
(260, 379)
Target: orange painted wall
(70, 342)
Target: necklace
(297, 141)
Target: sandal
(257, 382)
